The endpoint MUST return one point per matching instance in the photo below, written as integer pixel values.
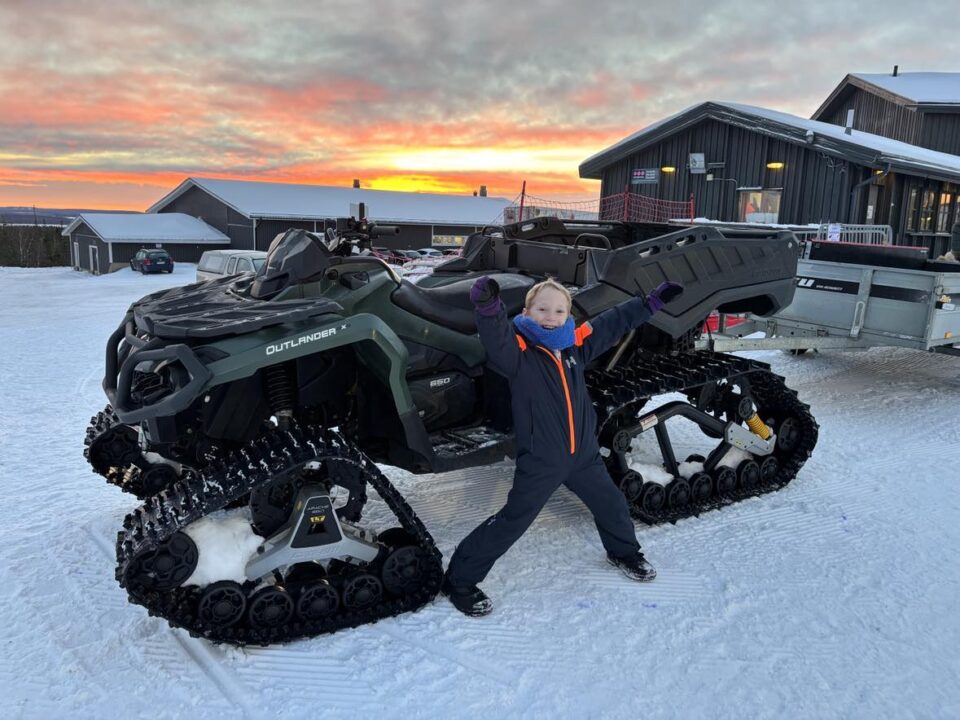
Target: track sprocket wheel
(166, 566)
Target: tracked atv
(275, 395)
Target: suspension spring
(757, 426)
(280, 391)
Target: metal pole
(523, 193)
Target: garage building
(104, 242)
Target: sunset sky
(110, 105)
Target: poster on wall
(645, 176)
(698, 163)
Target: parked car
(411, 254)
(429, 252)
(451, 252)
(149, 261)
(393, 257)
(220, 263)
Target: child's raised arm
(496, 332)
(610, 325)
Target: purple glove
(485, 296)
(662, 294)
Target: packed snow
(835, 597)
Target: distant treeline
(33, 246)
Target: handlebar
(381, 230)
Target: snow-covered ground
(835, 597)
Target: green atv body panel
(226, 349)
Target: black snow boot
(468, 599)
(634, 567)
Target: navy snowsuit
(556, 437)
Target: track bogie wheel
(748, 475)
(270, 607)
(156, 479)
(362, 591)
(317, 600)
(725, 479)
(404, 570)
(768, 470)
(165, 567)
(695, 457)
(222, 604)
(653, 497)
(701, 487)
(631, 485)
(678, 493)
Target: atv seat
(450, 306)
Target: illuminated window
(759, 206)
(926, 211)
(943, 213)
(912, 210)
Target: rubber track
(624, 391)
(275, 453)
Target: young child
(544, 357)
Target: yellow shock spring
(757, 426)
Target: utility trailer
(851, 296)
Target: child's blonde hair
(548, 283)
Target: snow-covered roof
(172, 228)
(860, 147)
(315, 202)
(938, 88)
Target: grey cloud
(436, 61)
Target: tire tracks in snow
(296, 670)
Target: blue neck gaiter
(555, 339)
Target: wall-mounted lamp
(709, 177)
(668, 169)
(878, 172)
(774, 166)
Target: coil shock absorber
(748, 411)
(280, 392)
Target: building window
(912, 210)
(926, 211)
(759, 206)
(943, 213)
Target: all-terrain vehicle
(277, 394)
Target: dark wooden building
(251, 214)
(740, 163)
(104, 242)
(918, 108)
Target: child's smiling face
(548, 309)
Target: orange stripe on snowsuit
(566, 392)
(582, 333)
(522, 343)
